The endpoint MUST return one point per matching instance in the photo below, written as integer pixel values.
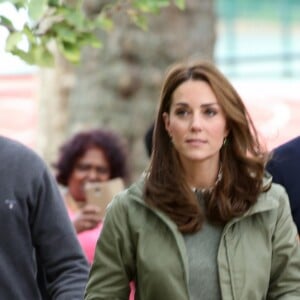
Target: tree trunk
(118, 87)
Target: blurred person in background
(205, 221)
(284, 167)
(40, 255)
(90, 156)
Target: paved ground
(274, 106)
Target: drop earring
(225, 141)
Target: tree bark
(118, 86)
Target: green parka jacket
(258, 256)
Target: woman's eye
(210, 112)
(181, 112)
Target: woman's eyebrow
(202, 105)
(209, 104)
(181, 104)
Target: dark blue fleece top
(285, 169)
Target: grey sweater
(35, 232)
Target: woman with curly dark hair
(91, 156)
(205, 222)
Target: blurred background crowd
(255, 43)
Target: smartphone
(101, 193)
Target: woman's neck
(203, 175)
(73, 202)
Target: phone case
(101, 193)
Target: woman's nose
(196, 122)
(93, 175)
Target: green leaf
(180, 4)
(6, 22)
(70, 51)
(28, 32)
(25, 56)
(36, 55)
(150, 6)
(43, 57)
(65, 33)
(12, 40)
(73, 17)
(53, 2)
(17, 3)
(36, 9)
(104, 22)
(89, 39)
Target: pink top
(88, 238)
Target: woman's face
(196, 122)
(91, 167)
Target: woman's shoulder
(271, 189)
(272, 198)
(126, 198)
(276, 190)
(275, 197)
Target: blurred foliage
(67, 25)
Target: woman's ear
(166, 119)
(227, 131)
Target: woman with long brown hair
(205, 221)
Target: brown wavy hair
(242, 157)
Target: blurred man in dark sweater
(40, 257)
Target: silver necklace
(211, 188)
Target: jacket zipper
(226, 242)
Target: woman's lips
(196, 142)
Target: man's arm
(61, 262)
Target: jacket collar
(266, 201)
(136, 192)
